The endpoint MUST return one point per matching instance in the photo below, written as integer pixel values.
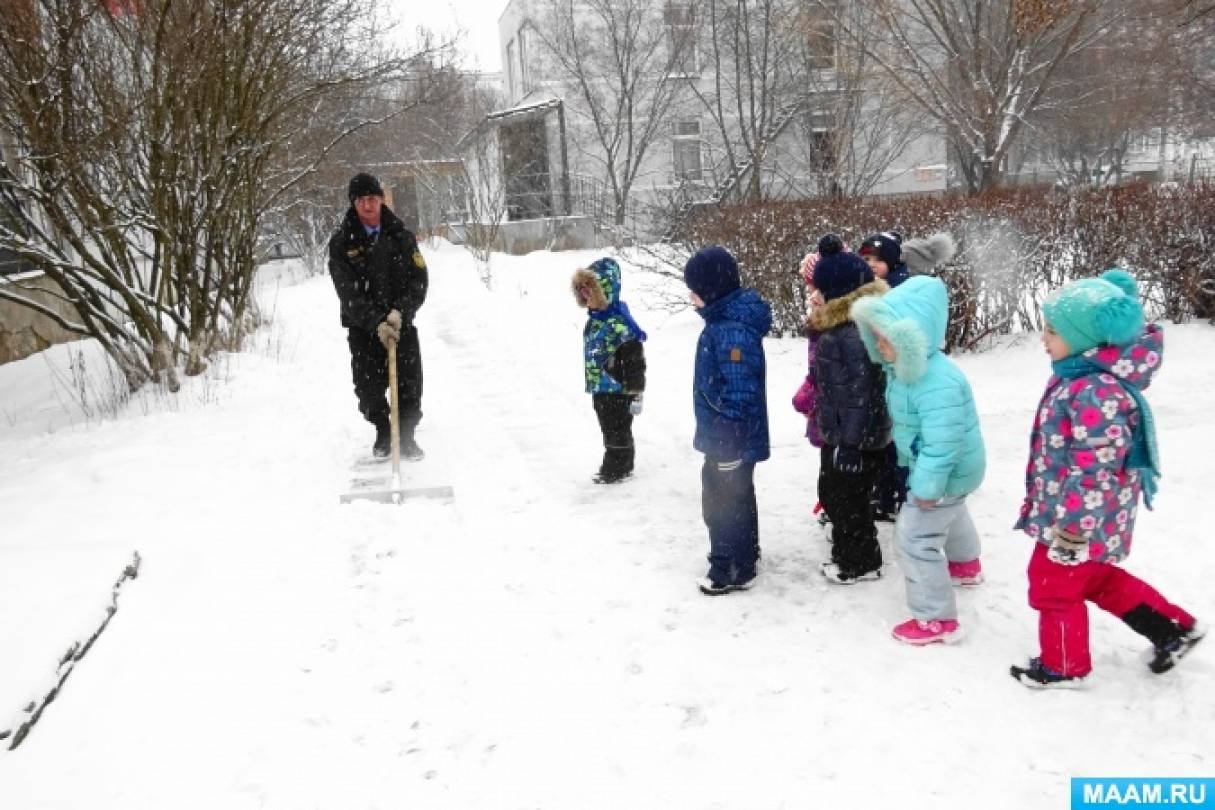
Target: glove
(393, 319)
(848, 460)
(386, 333)
(1066, 548)
(635, 404)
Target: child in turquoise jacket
(936, 431)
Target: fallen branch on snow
(68, 662)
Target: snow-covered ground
(538, 643)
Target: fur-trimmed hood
(835, 311)
(913, 317)
(602, 284)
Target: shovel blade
(399, 495)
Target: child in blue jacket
(614, 365)
(937, 435)
(730, 401)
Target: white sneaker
(711, 588)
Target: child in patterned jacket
(1092, 455)
(614, 364)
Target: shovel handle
(394, 418)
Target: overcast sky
(478, 18)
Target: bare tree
(153, 137)
(979, 68)
(627, 67)
(854, 122)
(756, 59)
(1085, 127)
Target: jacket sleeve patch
(736, 355)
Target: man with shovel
(381, 280)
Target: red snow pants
(1058, 593)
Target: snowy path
(540, 642)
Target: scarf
(1145, 454)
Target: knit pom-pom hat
(838, 271)
(1096, 311)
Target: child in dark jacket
(894, 261)
(614, 365)
(1092, 455)
(730, 402)
(851, 414)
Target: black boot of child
(617, 465)
(1170, 642)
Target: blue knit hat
(838, 272)
(712, 273)
(1094, 311)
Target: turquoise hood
(936, 424)
(913, 316)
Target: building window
(821, 146)
(929, 174)
(511, 87)
(821, 150)
(681, 33)
(525, 73)
(686, 154)
(818, 25)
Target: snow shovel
(394, 493)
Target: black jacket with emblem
(851, 387)
(374, 277)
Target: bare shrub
(1014, 246)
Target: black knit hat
(887, 246)
(363, 185)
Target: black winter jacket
(851, 387)
(372, 278)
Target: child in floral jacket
(614, 364)
(1092, 455)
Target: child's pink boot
(966, 574)
(915, 631)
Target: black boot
(410, 450)
(1155, 627)
(383, 440)
(617, 465)
(1170, 642)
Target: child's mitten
(1066, 548)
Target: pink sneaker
(914, 631)
(966, 574)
